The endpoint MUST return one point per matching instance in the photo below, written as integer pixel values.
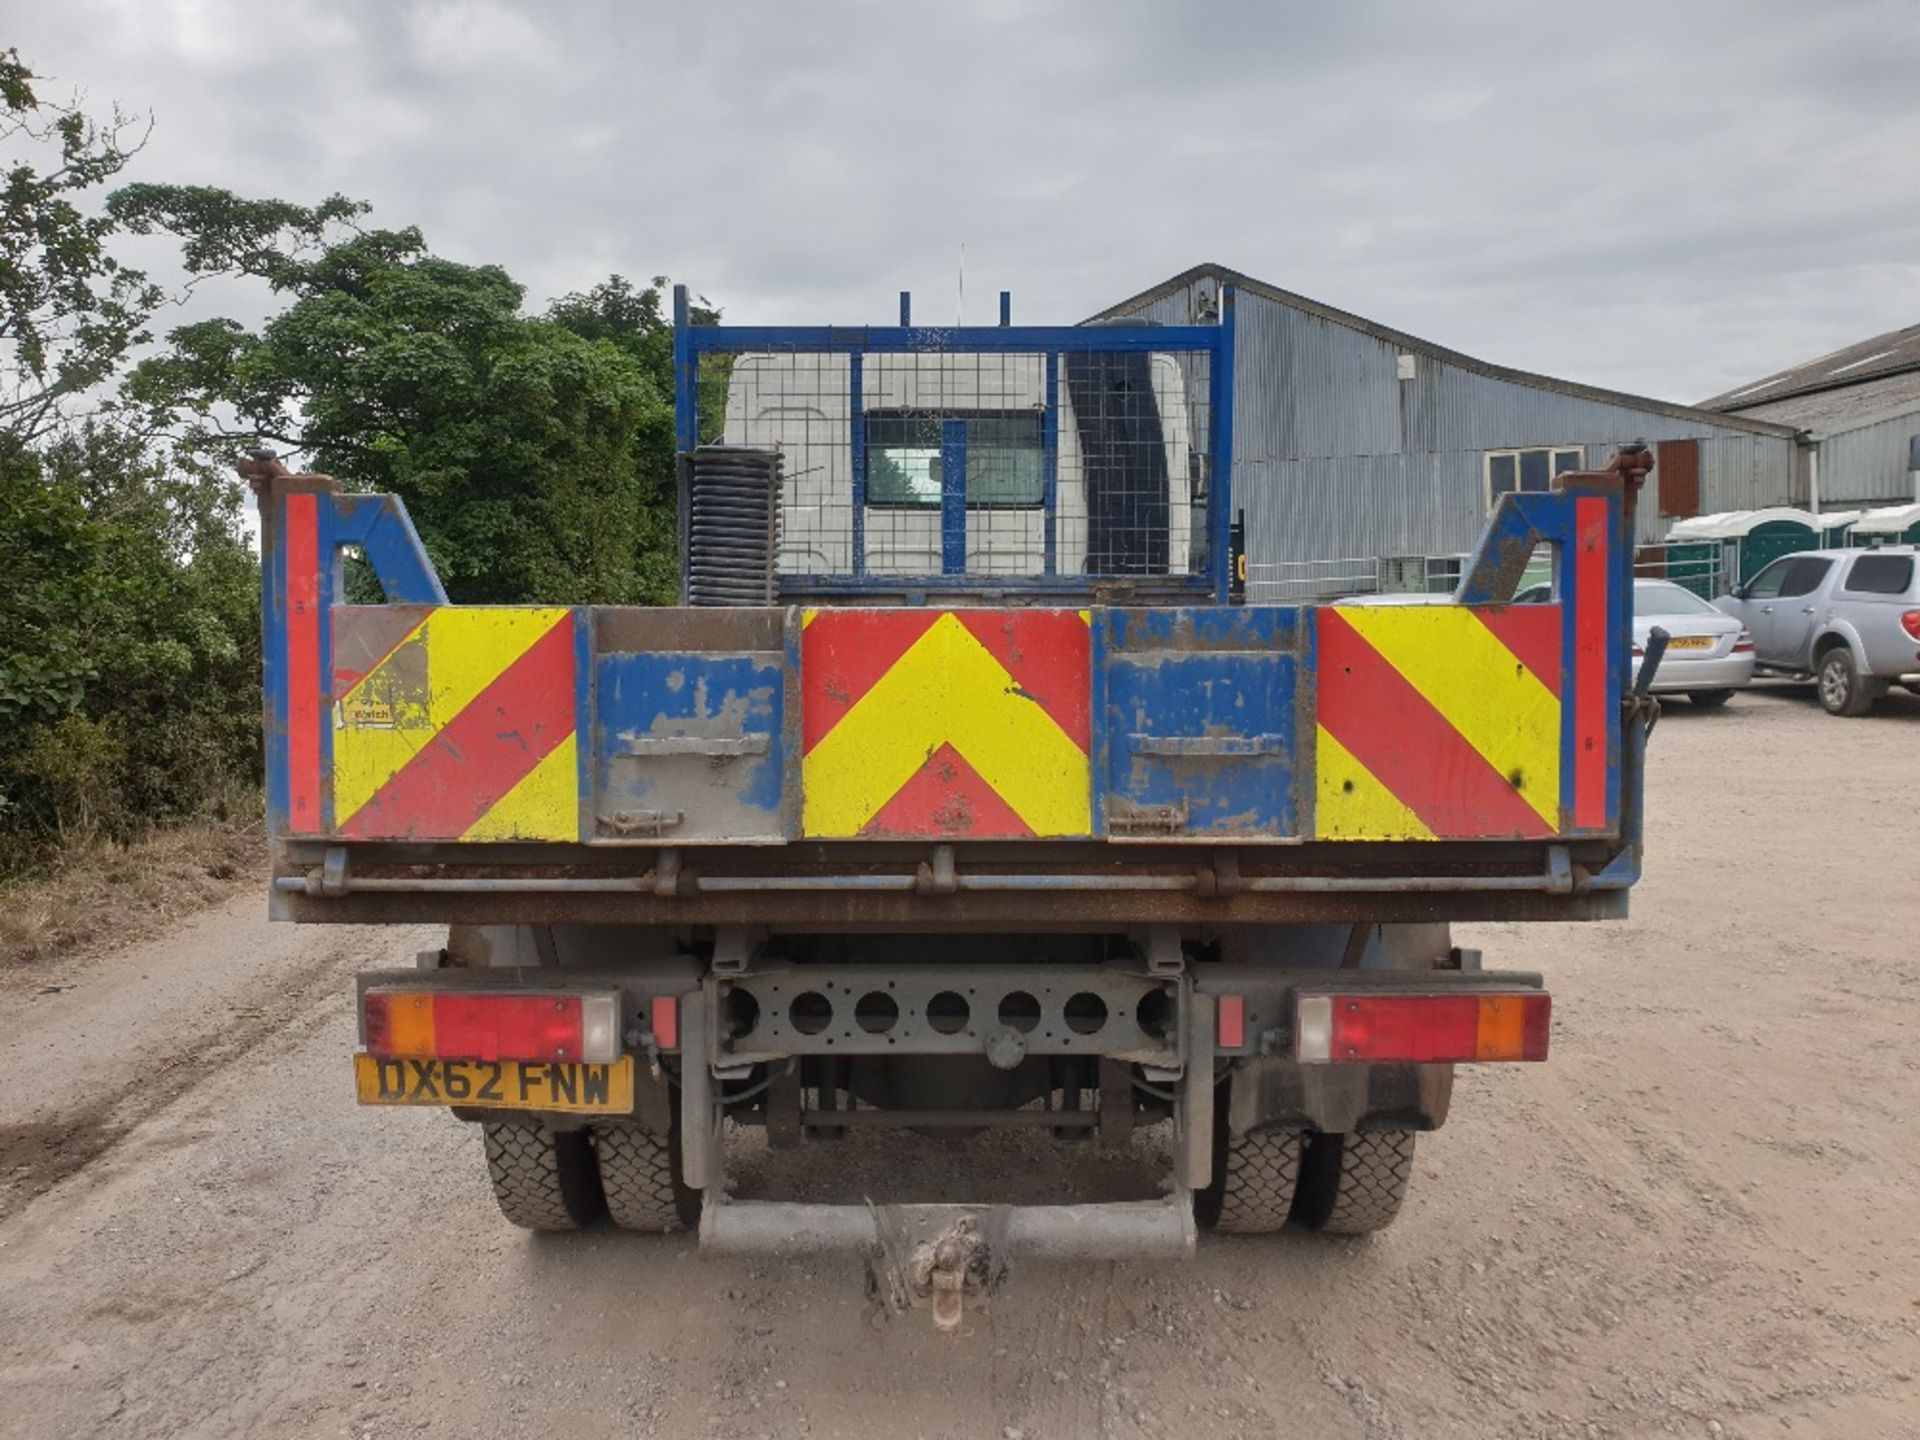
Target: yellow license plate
(1690, 642)
(497, 1084)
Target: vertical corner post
(857, 441)
(1220, 461)
(686, 399)
(953, 497)
(1050, 471)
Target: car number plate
(1690, 642)
(497, 1084)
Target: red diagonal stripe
(1394, 730)
(842, 654)
(1532, 633)
(482, 753)
(1591, 626)
(947, 797)
(302, 519)
(1046, 652)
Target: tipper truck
(962, 790)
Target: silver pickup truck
(1849, 618)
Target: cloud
(1665, 198)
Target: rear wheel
(1842, 690)
(1709, 699)
(640, 1174)
(1353, 1184)
(1253, 1179)
(542, 1179)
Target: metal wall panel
(1869, 463)
(1337, 456)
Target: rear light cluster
(1744, 644)
(1414, 1029)
(1910, 622)
(430, 1025)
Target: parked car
(1849, 618)
(1709, 654)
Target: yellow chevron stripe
(1351, 804)
(545, 805)
(947, 687)
(1479, 686)
(427, 679)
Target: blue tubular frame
(1049, 341)
(381, 527)
(1050, 472)
(953, 497)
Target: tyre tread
(636, 1172)
(1375, 1168)
(541, 1180)
(1257, 1180)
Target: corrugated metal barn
(1860, 408)
(1359, 449)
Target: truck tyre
(542, 1179)
(1353, 1184)
(1842, 691)
(1253, 1178)
(640, 1176)
(1709, 699)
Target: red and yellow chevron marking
(957, 723)
(464, 730)
(1438, 722)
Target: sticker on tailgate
(497, 1084)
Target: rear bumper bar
(1125, 1230)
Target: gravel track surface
(1699, 1218)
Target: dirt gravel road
(1701, 1218)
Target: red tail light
(476, 1025)
(1231, 1014)
(1426, 1029)
(1743, 645)
(664, 1014)
(1639, 653)
(1910, 622)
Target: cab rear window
(1880, 575)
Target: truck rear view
(963, 791)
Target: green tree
(534, 455)
(69, 311)
(129, 597)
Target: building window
(1005, 461)
(1528, 471)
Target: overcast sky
(1668, 198)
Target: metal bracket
(938, 876)
(666, 874)
(329, 877)
(640, 822)
(711, 747)
(1164, 955)
(1559, 870)
(1126, 818)
(1206, 746)
(734, 947)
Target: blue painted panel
(693, 735)
(1197, 729)
(381, 527)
